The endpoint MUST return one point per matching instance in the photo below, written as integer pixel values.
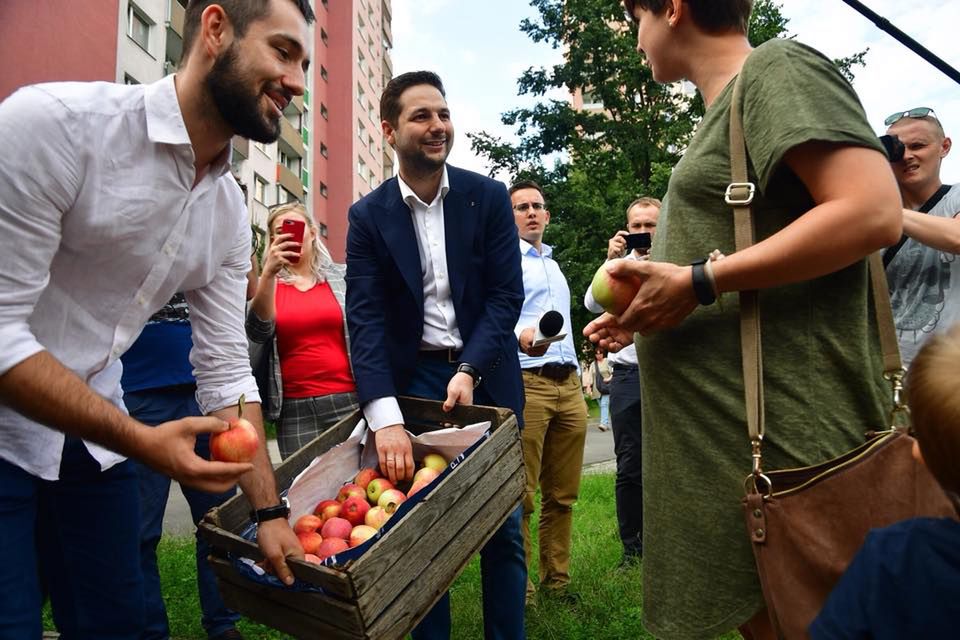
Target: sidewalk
(597, 458)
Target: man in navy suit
(434, 291)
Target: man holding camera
(922, 269)
(625, 418)
(555, 415)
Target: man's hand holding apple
(526, 343)
(395, 452)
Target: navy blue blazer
(385, 287)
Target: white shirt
(544, 289)
(439, 318)
(99, 227)
(626, 357)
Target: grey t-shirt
(925, 286)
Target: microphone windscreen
(551, 323)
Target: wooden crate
(384, 593)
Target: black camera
(893, 147)
(638, 241)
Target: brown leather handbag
(806, 524)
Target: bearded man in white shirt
(117, 198)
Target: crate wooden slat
(386, 591)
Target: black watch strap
(470, 370)
(281, 510)
(701, 285)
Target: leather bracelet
(701, 284)
(281, 510)
(470, 370)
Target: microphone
(549, 327)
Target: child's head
(933, 387)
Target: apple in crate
(434, 461)
(354, 510)
(307, 524)
(364, 476)
(314, 559)
(239, 443)
(310, 541)
(336, 528)
(350, 490)
(331, 547)
(360, 534)
(376, 517)
(391, 499)
(376, 487)
(327, 509)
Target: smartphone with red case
(295, 228)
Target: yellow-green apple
(331, 547)
(239, 443)
(327, 509)
(307, 524)
(376, 517)
(613, 294)
(350, 490)
(309, 557)
(310, 541)
(360, 534)
(336, 528)
(434, 461)
(376, 487)
(391, 499)
(354, 510)
(364, 476)
(427, 474)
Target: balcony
(174, 40)
(290, 141)
(387, 68)
(387, 31)
(241, 148)
(176, 17)
(289, 181)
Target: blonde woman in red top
(299, 341)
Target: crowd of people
(132, 323)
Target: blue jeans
(75, 539)
(605, 409)
(503, 566)
(153, 407)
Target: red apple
(376, 487)
(239, 443)
(336, 528)
(391, 499)
(309, 557)
(331, 547)
(355, 510)
(364, 476)
(417, 486)
(307, 524)
(350, 490)
(310, 541)
(360, 534)
(327, 509)
(376, 517)
(427, 474)
(434, 461)
(613, 294)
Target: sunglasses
(525, 206)
(919, 112)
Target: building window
(323, 190)
(361, 61)
(373, 147)
(361, 131)
(362, 169)
(323, 73)
(138, 27)
(259, 189)
(324, 37)
(284, 196)
(323, 229)
(324, 112)
(324, 151)
(361, 95)
(305, 178)
(260, 146)
(129, 79)
(372, 114)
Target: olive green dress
(821, 361)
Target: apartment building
(330, 151)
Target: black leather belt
(447, 355)
(553, 371)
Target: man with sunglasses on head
(922, 269)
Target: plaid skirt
(303, 419)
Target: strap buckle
(734, 195)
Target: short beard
(238, 107)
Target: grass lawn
(610, 609)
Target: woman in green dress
(826, 198)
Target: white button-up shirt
(544, 289)
(439, 318)
(100, 225)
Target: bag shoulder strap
(740, 196)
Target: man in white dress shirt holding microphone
(625, 415)
(555, 415)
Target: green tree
(593, 163)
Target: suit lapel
(460, 212)
(395, 222)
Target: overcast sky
(479, 51)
